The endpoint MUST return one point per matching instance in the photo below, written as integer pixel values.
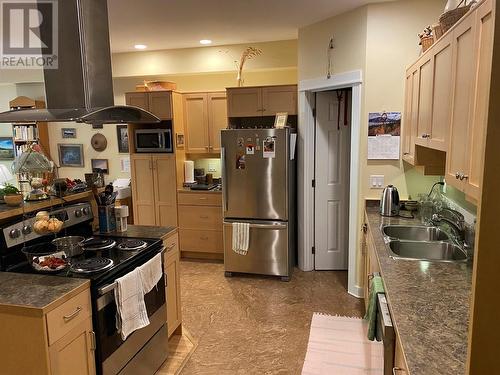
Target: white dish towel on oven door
(131, 310)
(151, 272)
(241, 238)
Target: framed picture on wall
(122, 136)
(68, 132)
(71, 155)
(99, 166)
(6, 148)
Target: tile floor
(255, 325)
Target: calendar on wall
(384, 135)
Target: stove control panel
(22, 231)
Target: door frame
(306, 147)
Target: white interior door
(332, 183)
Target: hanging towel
(151, 272)
(377, 286)
(241, 238)
(131, 311)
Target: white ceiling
(167, 24)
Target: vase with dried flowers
(248, 53)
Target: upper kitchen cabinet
(205, 115)
(157, 102)
(261, 101)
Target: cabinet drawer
(200, 199)
(70, 314)
(203, 218)
(171, 244)
(204, 241)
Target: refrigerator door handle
(263, 226)
(224, 182)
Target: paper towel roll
(189, 172)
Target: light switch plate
(376, 181)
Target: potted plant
(11, 195)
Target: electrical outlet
(211, 167)
(376, 181)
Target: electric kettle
(389, 201)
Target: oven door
(113, 355)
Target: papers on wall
(384, 135)
(293, 144)
(125, 164)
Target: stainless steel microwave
(153, 140)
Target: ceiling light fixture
(205, 41)
(140, 46)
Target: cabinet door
(279, 99)
(142, 189)
(196, 123)
(441, 97)
(217, 118)
(137, 99)
(160, 104)
(463, 87)
(174, 319)
(424, 102)
(477, 128)
(244, 102)
(165, 189)
(74, 352)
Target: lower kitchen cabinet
(173, 291)
(55, 340)
(200, 224)
(371, 263)
(74, 352)
(154, 189)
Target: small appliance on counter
(121, 214)
(389, 201)
(189, 172)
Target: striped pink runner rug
(338, 346)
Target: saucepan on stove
(45, 260)
(71, 245)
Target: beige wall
(349, 33)
(279, 54)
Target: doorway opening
(332, 180)
(308, 91)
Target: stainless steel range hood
(81, 88)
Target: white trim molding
(306, 147)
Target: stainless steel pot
(69, 244)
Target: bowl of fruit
(45, 259)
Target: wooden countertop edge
(25, 310)
(31, 206)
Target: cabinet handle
(170, 247)
(406, 153)
(394, 369)
(203, 217)
(464, 177)
(150, 164)
(73, 315)
(92, 340)
(203, 198)
(204, 238)
(364, 228)
(457, 175)
(425, 135)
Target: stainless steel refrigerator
(258, 187)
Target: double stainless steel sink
(419, 242)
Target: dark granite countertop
(429, 302)
(143, 231)
(36, 293)
(188, 190)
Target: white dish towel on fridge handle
(131, 312)
(241, 238)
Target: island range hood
(81, 88)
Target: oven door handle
(108, 288)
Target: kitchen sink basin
(415, 233)
(425, 250)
